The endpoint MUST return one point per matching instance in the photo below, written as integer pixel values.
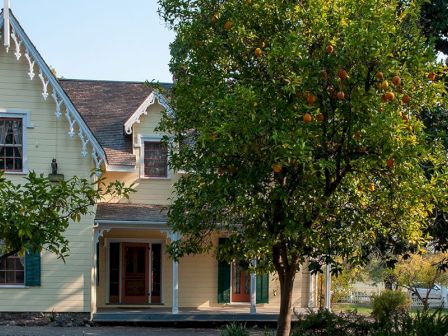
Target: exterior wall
(65, 287)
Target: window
(12, 271)
(155, 159)
(11, 144)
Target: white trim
(151, 138)
(14, 286)
(120, 168)
(59, 95)
(25, 116)
(6, 33)
(142, 110)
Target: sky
(98, 39)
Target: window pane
(155, 159)
(11, 140)
(10, 277)
(20, 277)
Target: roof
(105, 106)
(131, 212)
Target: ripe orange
(372, 186)
(329, 49)
(277, 168)
(379, 75)
(307, 118)
(396, 80)
(390, 163)
(432, 76)
(320, 117)
(342, 74)
(310, 99)
(340, 95)
(389, 96)
(258, 52)
(384, 84)
(228, 25)
(406, 99)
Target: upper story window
(12, 271)
(11, 144)
(155, 159)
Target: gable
(38, 70)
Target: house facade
(118, 253)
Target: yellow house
(117, 255)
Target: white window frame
(152, 138)
(25, 116)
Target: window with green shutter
(263, 288)
(32, 269)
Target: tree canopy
(300, 131)
(34, 215)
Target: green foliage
(34, 215)
(389, 307)
(280, 161)
(235, 329)
(342, 283)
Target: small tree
(421, 271)
(35, 215)
(299, 129)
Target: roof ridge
(108, 81)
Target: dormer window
(155, 159)
(11, 144)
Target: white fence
(365, 298)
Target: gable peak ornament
(6, 32)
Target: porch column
(94, 273)
(328, 287)
(175, 305)
(311, 290)
(253, 290)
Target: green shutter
(223, 280)
(32, 269)
(263, 288)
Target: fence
(365, 298)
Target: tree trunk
(284, 318)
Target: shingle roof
(132, 212)
(105, 106)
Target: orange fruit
(329, 49)
(342, 74)
(258, 52)
(432, 76)
(311, 99)
(406, 99)
(320, 117)
(396, 80)
(390, 163)
(228, 25)
(277, 168)
(379, 75)
(384, 84)
(389, 96)
(307, 118)
(340, 95)
(372, 186)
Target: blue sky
(99, 39)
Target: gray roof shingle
(132, 212)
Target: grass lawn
(366, 309)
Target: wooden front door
(240, 284)
(135, 282)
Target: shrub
(390, 307)
(235, 329)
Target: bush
(390, 307)
(235, 329)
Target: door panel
(135, 273)
(240, 284)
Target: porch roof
(131, 212)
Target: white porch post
(253, 290)
(311, 278)
(328, 287)
(94, 273)
(175, 306)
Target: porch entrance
(240, 283)
(135, 273)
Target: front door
(135, 280)
(240, 283)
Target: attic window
(11, 144)
(155, 159)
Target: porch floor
(212, 315)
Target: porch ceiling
(123, 212)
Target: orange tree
(299, 132)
